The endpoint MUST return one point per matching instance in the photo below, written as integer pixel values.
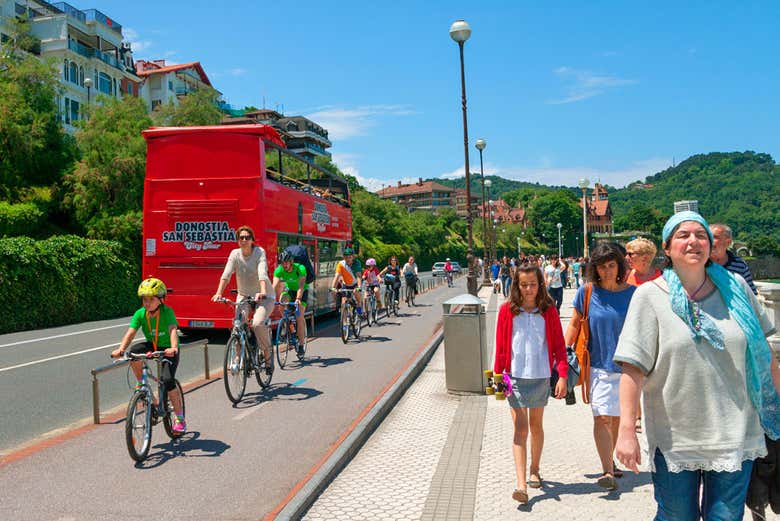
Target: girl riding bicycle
(371, 278)
(158, 323)
(394, 281)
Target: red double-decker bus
(202, 183)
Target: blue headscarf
(758, 356)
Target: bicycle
(448, 274)
(371, 305)
(242, 354)
(349, 321)
(411, 283)
(143, 413)
(390, 297)
(287, 334)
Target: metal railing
(122, 363)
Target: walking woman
(506, 275)
(694, 343)
(640, 254)
(607, 308)
(529, 343)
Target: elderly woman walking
(694, 343)
(640, 254)
(605, 303)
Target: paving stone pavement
(404, 469)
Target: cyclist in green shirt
(292, 277)
(158, 323)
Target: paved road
(45, 374)
(236, 462)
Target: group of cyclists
(249, 264)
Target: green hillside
(741, 189)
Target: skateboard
(499, 385)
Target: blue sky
(609, 90)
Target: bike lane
(236, 462)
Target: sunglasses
(244, 237)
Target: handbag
(581, 346)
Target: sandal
(638, 426)
(618, 473)
(521, 496)
(607, 481)
(535, 481)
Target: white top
(529, 346)
(696, 405)
(553, 276)
(409, 268)
(249, 270)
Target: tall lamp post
(460, 32)
(560, 249)
(88, 85)
(488, 182)
(584, 185)
(481, 144)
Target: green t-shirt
(166, 319)
(290, 278)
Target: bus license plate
(201, 323)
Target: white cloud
(344, 123)
(136, 43)
(587, 84)
(238, 71)
(570, 176)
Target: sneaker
(269, 370)
(179, 425)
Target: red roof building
(599, 211)
(164, 83)
(428, 195)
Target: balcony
(71, 11)
(89, 52)
(88, 15)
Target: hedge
(64, 280)
(20, 219)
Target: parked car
(438, 269)
(455, 267)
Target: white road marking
(60, 336)
(242, 415)
(4, 369)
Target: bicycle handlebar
(150, 355)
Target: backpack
(301, 256)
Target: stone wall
(765, 268)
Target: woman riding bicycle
(160, 336)
(371, 279)
(392, 277)
(410, 273)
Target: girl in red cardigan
(529, 340)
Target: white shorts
(604, 400)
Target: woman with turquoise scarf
(694, 343)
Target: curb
(309, 489)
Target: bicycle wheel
(261, 375)
(409, 295)
(346, 312)
(169, 412)
(370, 309)
(234, 369)
(388, 302)
(357, 323)
(138, 426)
(374, 310)
(301, 352)
(282, 343)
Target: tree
(552, 208)
(108, 181)
(640, 217)
(34, 149)
(195, 109)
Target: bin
(465, 346)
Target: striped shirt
(736, 265)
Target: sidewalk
(439, 457)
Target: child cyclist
(158, 323)
(371, 279)
(529, 343)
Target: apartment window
(67, 110)
(74, 110)
(170, 85)
(156, 103)
(74, 73)
(130, 88)
(65, 71)
(104, 83)
(113, 86)
(81, 76)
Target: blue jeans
(505, 281)
(677, 493)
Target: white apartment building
(164, 83)
(88, 46)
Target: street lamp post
(481, 144)
(584, 185)
(88, 85)
(560, 250)
(488, 182)
(460, 32)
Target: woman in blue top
(606, 313)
